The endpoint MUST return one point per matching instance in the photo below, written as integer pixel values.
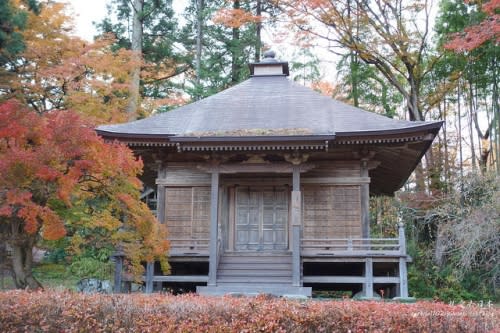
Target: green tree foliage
(155, 36)
(305, 67)
(364, 86)
(230, 39)
(12, 21)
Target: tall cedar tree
(149, 29)
(56, 174)
(225, 37)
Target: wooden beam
(180, 278)
(334, 279)
(348, 279)
(336, 180)
(357, 259)
(350, 254)
(273, 167)
(214, 213)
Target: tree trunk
(419, 178)
(445, 144)
(137, 34)
(22, 263)
(413, 102)
(258, 28)
(472, 111)
(235, 50)
(199, 39)
(353, 65)
(416, 115)
(460, 151)
(496, 117)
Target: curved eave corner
(134, 139)
(432, 127)
(432, 131)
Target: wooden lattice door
(261, 221)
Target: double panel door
(261, 219)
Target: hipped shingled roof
(264, 105)
(268, 107)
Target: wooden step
(255, 259)
(238, 272)
(255, 289)
(276, 258)
(257, 253)
(254, 278)
(263, 269)
(255, 267)
(254, 281)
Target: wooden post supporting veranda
(368, 285)
(365, 201)
(403, 275)
(149, 277)
(214, 203)
(118, 273)
(296, 227)
(365, 229)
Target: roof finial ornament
(269, 56)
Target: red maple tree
(55, 161)
(476, 35)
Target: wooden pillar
(296, 227)
(118, 273)
(403, 275)
(365, 201)
(160, 203)
(149, 277)
(214, 203)
(368, 285)
(160, 194)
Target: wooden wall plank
(184, 175)
(187, 214)
(332, 211)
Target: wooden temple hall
(265, 188)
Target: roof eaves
(118, 135)
(432, 127)
(279, 138)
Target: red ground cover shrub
(51, 311)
